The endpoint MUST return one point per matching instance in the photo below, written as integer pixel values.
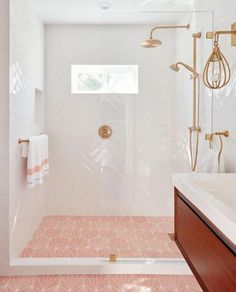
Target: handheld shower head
(175, 67)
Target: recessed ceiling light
(105, 5)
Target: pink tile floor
(99, 236)
(100, 283)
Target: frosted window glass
(104, 79)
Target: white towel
(37, 163)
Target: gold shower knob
(105, 132)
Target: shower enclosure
(116, 134)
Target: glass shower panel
(117, 151)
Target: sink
(214, 194)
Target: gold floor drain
(113, 258)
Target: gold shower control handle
(105, 132)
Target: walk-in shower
(116, 134)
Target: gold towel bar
(20, 141)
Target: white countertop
(214, 194)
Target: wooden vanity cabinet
(210, 255)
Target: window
(95, 79)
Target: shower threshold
(83, 244)
(161, 266)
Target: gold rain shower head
(217, 71)
(152, 42)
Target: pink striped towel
(37, 163)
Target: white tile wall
(4, 187)
(4, 104)
(3, 65)
(4, 19)
(4, 213)
(27, 67)
(4, 6)
(4, 133)
(4, 248)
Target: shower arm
(167, 27)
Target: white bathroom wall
(26, 75)
(224, 100)
(4, 134)
(72, 121)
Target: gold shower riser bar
(195, 126)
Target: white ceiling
(120, 12)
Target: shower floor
(101, 236)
